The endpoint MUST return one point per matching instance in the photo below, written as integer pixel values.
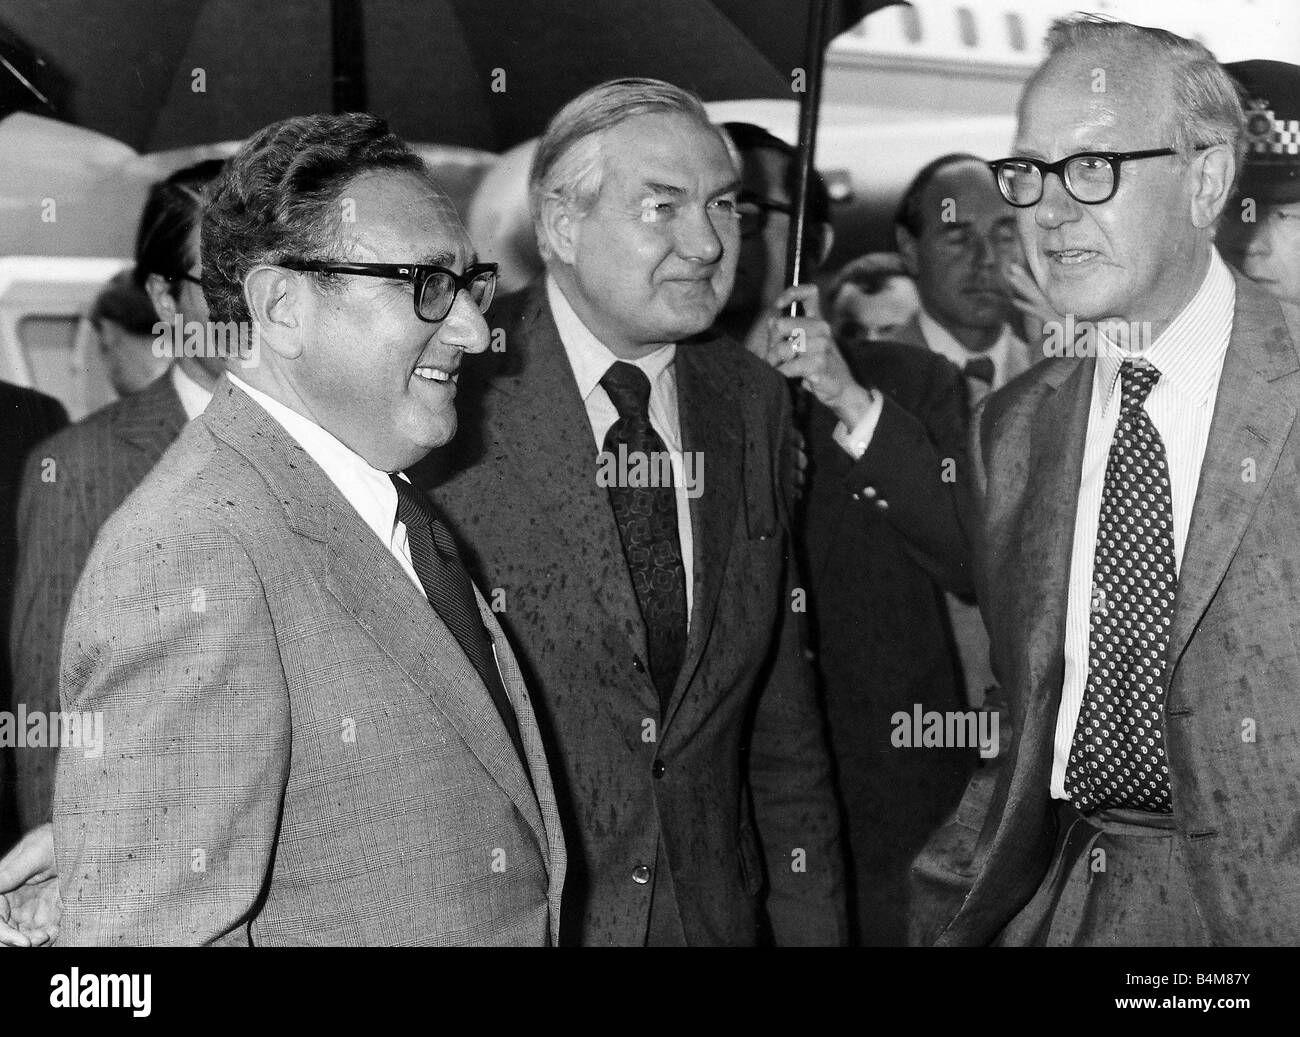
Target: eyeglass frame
(1114, 159)
(415, 274)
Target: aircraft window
(49, 344)
(911, 24)
(1016, 31)
(966, 26)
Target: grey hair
(567, 165)
(1207, 103)
(279, 198)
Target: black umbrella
(161, 74)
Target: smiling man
(314, 731)
(654, 623)
(1138, 560)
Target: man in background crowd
(77, 478)
(954, 232)
(881, 537)
(871, 299)
(1260, 229)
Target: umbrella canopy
(159, 75)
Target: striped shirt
(1189, 355)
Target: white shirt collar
(194, 398)
(588, 356)
(1189, 352)
(367, 489)
(942, 341)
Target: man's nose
(465, 327)
(698, 239)
(1056, 206)
(1259, 241)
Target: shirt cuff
(855, 441)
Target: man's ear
(907, 249)
(559, 228)
(1213, 171)
(828, 244)
(277, 300)
(159, 290)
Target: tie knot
(981, 368)
(412, 506)
(1138, 378)
(629, 390)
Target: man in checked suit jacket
(1218, 865)
(678, 814)
(296, 747)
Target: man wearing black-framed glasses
(279, 599)
(1138, 505)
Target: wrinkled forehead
(400, 216)
(1103, 100)
(668, 148)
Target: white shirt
(367, 489)
(1189, 355)
(941, 341)
(194, 398)
(590, 359)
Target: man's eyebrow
(443, 258)
(655, 187)
(728, 188)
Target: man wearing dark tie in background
(954, 232)
(653, 622)
(1138, 558)
(881, 536)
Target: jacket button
(882, 504)
(869, 492)
(640, 874)
(637, 664)
(658, 769)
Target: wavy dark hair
(279, 198)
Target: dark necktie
(447, 585)
(1117, 757)
(647, 524)
(979, 373)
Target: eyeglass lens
(438, 294)
(1087, 177)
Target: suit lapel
(366, 580)
(711, 428)
(1046, 528)
(1252, 419)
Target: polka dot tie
(1117, 758)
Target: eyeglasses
(1090, 177)
(186, 277)
(436, 287)
(753, 212)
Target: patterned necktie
(647, 524)
(979, 373)
(1117, 757)
(447, 585)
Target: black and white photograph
(815, 474)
